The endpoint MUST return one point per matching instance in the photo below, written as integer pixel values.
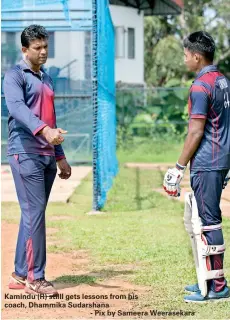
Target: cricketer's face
(37, 52)
(191, 60)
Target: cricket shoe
(192, 288)
(17, 282)
(212, 296)
(40, 286)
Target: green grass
(147, 150)
(140, 238)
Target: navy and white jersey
(209, 99)
(30, 102)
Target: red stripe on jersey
(196, 88)
(217, 133)
(210, 77)
(189, 105)
(213, 136)
(198, 116)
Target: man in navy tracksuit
(207, 147)
(34, 151)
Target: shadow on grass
(136, 193)
(140, 199)
(108, 273)
(69, 281)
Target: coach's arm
(14, 95)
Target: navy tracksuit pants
(33, 176)
(207, 187)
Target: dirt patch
(73, 276)
(51, 231)
(61, 191)
(150, 166)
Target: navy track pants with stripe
(33, 177)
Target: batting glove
(172, 181)
(226, 180)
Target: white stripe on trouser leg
(201, 250)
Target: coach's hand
(64, 168)
(172, 181)
(53, 136)
(226, 180)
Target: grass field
(140, 228)
(150, 150)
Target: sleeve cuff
(60, 157)
(39, 129)
(198, 116)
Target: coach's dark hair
(202, 43)
(31, 33)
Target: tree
(167, 66)
(164, 37)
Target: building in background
(69, 62)
(69, 23)
(128, 18)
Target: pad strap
(214, 274)
(209, 250)
(211, 228)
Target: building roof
(153, 7)
(18, 14)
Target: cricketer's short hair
(31, 33)
(201, 42)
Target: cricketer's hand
(65, 169)
(172, 181)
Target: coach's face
(191, 60)
(37, 52)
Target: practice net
(85, 108)
(105, 165)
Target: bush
(152, 113)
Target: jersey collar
(210, 68)
(25, 66)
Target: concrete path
(61, 191)
(185, 184)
